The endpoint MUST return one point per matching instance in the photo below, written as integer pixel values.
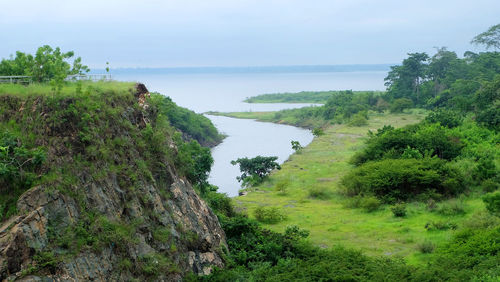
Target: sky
(184, 33)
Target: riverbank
(313, 198)
(316, 97)
(276, 117)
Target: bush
(398, 105)
(270, 215)
(359, 119)
(282, 186)
(19, 166)
(440, 225)
(321, 193)
(444, 117)
(370, 204)
(155, 264)
(318, 131)
(489, 185)
(402, 179)
(426, 247)
(451, 207)
(481, 220)
(161, 234)
(423, 140)
(399, 210)
(492, 202)
(220, 203)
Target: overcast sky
(169, 33)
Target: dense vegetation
(23, 159)
(452, 152)
(317, 97)
(450, 156)
(192, 125)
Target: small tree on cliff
(255, 170)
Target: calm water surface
(247, 138)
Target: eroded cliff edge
(107, 203)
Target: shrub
(19, 166)
(471, 250)
(489, 185)
(451, 207)
(161, 234)
(492, 202)
(155, 264)
(321, 193)
(353, 202)
(426, 247)
(399, 210)
(358, 119)
(220, 203)
(270, 215)
(440, 225)
(427, 140)
(444, 117)
(370, 203)
(481, 220)
(318, 131)
(398, 105)
(282, 186)
(47, 260)
(402, 179)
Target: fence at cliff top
(24, 79)
(93, 77)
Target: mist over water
(224, 92)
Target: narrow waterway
(248, 138)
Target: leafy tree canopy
(47, 64)
(254, 170)
(489, 38)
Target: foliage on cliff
(105, 186)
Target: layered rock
(195, 242)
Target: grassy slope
(299, 97)
(68, 89)
(322, 164)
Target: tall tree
(404, 81)
(489, 38)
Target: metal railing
(92, 77)
(24, 79)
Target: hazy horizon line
(250, 69)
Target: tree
(488, 104)
(489, 38)
(404, 81)
(255, 170)
(296, 146)
(48, 64)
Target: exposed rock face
(43, 209)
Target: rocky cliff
(107, 203)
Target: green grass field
(321, 165)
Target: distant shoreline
(252, 69)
